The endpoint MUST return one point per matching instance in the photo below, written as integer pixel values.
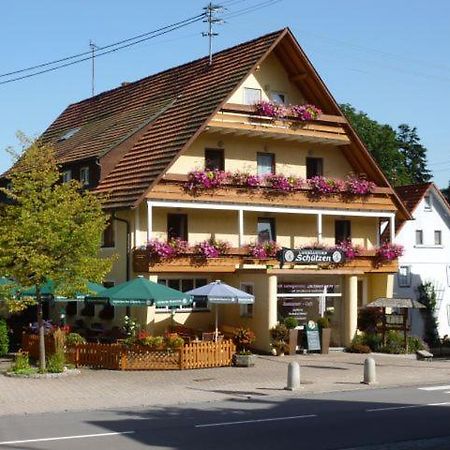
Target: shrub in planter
(290, 322)
(415, 344)
(394, 343)
(373, 341)
(4, 338)
(280, 336)
(243, 338)
(323, 322)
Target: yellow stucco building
(138, 144)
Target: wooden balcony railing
(238, 259)
(244, 120)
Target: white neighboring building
(426, 258)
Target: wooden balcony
(237, 259)
(171, 189)
(242, 120)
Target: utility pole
(93, 48)
(211, 18)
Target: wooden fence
(196, 355)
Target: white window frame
(66, 175)
(279, 93)
(404, 280)
(84, 175)
(428, 203)
(244, 94)
(247, 310)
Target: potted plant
(243, 338)
(325, 334)
(291, 324)
(280, 335)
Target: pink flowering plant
(199, 180)
(325, 186)
(350, 250)
(263, 250)
(388, 252)
(212, 248)
(245, 179)
(305, 112)
(283, 184)
(271, 109)
(358, 186)
(163, 250)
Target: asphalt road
(369, 419)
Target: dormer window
(84, 176)
(252, 96)
(427, 203)
(66, 176)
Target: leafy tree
(415, 154)
(399, 153)
(49, 230)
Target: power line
(251, 9)
(71, 63)
(123, 41)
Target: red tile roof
(412, 194)
(171, 106)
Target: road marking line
(273, 419)
(434, 388)
(393, 408)
(62, 438)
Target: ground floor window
(184, 285)
(247, 310)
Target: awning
(384, 302)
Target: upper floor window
(177, 226)
(252, 96)
(419, 237)
(266, 163)
(214, 159)
(84, 176)
(342, 231)
(427, 203)
(279, 97)
(437, 237)
(314, 167)
(108, 237)
(183, 285)
(266, 229)
(404, 276)
(66, 176)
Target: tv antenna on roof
(211, 18)
(93, 48)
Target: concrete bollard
(293, 378)
(370, 376)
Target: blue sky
(387, 58)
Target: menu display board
(302, 308)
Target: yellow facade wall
(271, 76)
(240, 155)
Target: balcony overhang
(241, 120)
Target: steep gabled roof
(412, 194)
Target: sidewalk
(103, 389)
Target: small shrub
(394, 343)
(174, 342)
(290, 322)
(243, 338)
(373, 341)
(74, 339)
(60, 340)
(358, 346)
(415, 343)
(280, 336)
(56, 362)
(369, 318)
(4, 338)
(21, 363)
(323, 322)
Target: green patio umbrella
(91, 288)
(142, 292)
(48, 290)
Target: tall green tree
(49, 230)
(415, 154)
(399, 153)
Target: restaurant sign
(311, 256)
